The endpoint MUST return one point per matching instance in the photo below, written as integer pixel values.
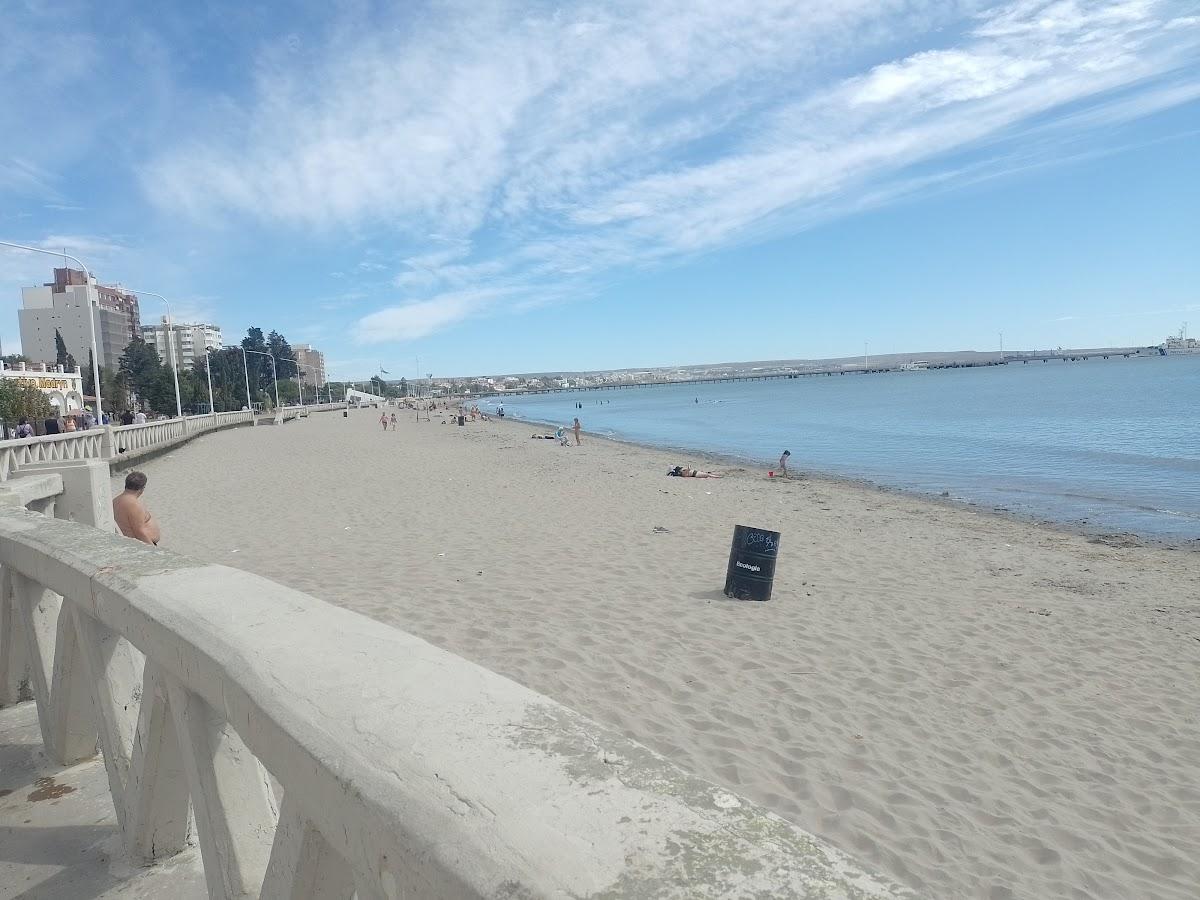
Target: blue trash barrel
(751, 571)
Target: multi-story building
(309, 356)
(189, 341)
(63, 306)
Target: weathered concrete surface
(85, 495)
(58, 834)
(430, 776)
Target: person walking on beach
(783, 461)
(393, 421)
(576, 428)
(132, 518)
(383, 420)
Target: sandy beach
(975, 706)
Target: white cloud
(90, 247)
(21, 176)
(938, 77)
(516, 152)
(416, 320)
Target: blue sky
(500, 187)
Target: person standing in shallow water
(576, 428)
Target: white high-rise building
(62, 306)
(190, 341)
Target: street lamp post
(170, 347)
(299, 389)
(212, 407)
(316, 388)
(246, 370)
(274, 377)
(87, 278)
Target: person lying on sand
(682, 472)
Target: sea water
(1110, 445)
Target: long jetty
(828, 371)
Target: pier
(830, 371)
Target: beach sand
(975, 706)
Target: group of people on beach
(560, 434)
(684, 472)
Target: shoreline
(970, 705)
(1120, 539)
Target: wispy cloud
(90, 246)
(20, 176)
(515, 152)
(415, 320)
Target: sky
(490, 187)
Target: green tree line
(143, 380)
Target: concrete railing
(151, 435)
(405, 771)
(50, 448)
(128, 442)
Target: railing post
(108, 446)
(156, 796)
(58, 678)
(231, 796)
(303, 866)
(14, 661)
(114, 667)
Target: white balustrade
(131, 438)
(406, 771)
(134, 440)
(50, 448)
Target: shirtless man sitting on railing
(132, 518)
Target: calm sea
(1110, 445)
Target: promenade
(257, 741)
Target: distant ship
(919, 366)
(1180, 343)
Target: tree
(22, 401)
(61, 356)
(60, 349)
(143, 371)
(159, 391)
(279, 346)
(114, 388)
(254, 340)
(12, 359)
(229, 379)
